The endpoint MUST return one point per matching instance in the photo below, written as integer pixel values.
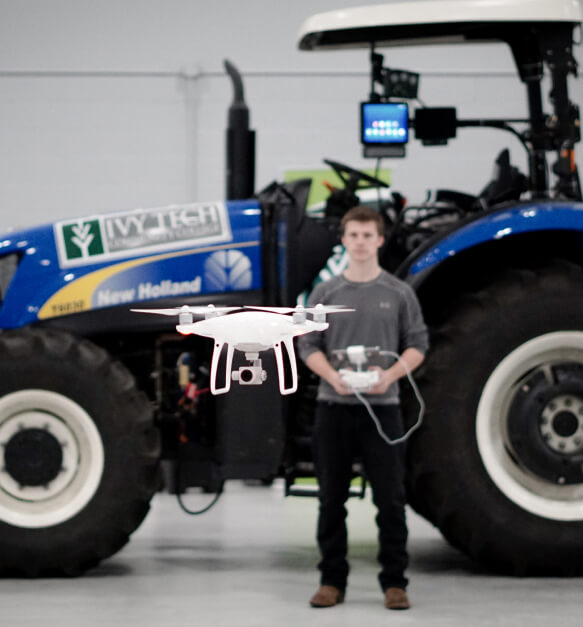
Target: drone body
(250, 330)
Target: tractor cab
(540, 34)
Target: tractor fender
(491, 227)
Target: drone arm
(289, 345)
(218, 349)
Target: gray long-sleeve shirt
(388, 315)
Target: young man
(387, 315)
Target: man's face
(362, 240)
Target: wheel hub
(519, 461)
(545, 423)
(561, 424)
(40, 455)
(51, 458)
(33, 457)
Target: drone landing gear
(255, 375)
(215, 366)
(289, 347)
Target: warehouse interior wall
(123, 103)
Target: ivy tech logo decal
(82, 239)
(116, 235)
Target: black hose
(200, 511)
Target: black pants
(342, 433)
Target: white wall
(123, 103)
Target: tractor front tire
(79, 454)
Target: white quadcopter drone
(251, 330)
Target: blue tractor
(100, 407)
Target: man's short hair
(361, 213)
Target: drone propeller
(186, 312)
(299, 312)
(318, 309)
(279, 310)
(326, 309)
(176, 311)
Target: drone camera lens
(246, 375)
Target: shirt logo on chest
(385, 305)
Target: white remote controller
(361, 380)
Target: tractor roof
(431, 21)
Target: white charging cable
(418, 396)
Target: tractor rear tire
(498, 464)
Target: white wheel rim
(524, 488)
(82, 465)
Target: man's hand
(386, 377)
(318, 363)
(411, 357)
(337, 382)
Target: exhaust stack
(240, 143)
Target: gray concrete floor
(250, 562)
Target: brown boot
(396, 599)
(327, 596)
